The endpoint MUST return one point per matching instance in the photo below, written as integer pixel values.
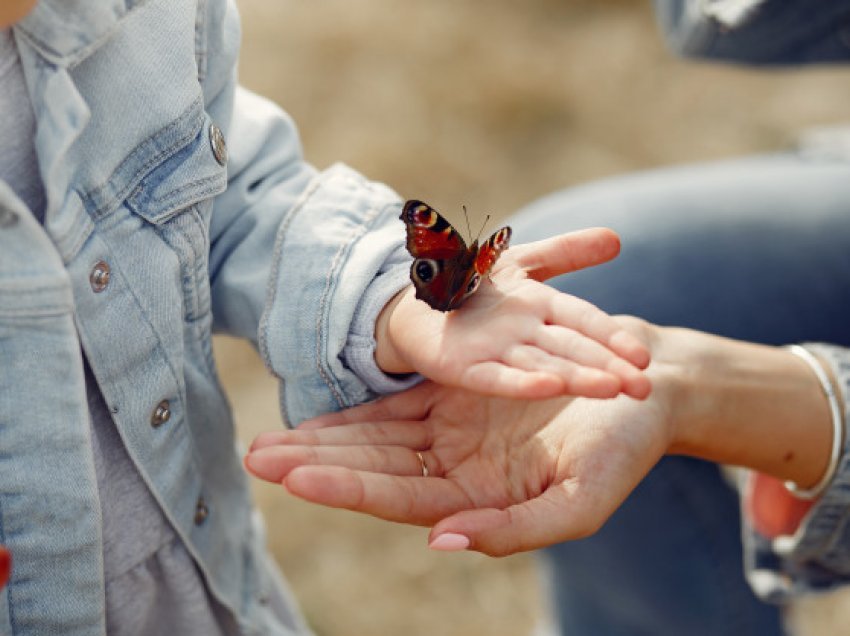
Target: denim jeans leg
(757, 249)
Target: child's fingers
(566, 343)
(503, 380)
(565, 253)
(416, 500)
(577, 314)
(577, 377)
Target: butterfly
(445, 271)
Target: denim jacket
(780, 32)
(177, 205)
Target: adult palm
(506, 475)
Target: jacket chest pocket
(176, 198)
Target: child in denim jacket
(145, 202)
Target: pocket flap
(187, 177)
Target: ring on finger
(422, 463)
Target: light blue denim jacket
(782, 32)
(152, 239)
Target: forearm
(744, 404)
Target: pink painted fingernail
(450, 542)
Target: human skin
(517, 337)
(12, 11)
(513, 475)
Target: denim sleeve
(817, 556)
(302, 262)
(300, 259)
(761, 32)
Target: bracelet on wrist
(836, 412)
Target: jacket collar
(66, 31)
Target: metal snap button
(219, 147)
(201, 511)
(99, 276)
(161, 414)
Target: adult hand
(503, 475)
(516, 337)
(509, 475)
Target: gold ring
(423, 464)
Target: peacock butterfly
(445, 271)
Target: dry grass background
(490, 104)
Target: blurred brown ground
(491, 104)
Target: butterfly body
(445, 271)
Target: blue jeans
(756, 249)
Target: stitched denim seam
(200, 40)
(160, 345)
(323, 318)
(70, 60)
(49, 308)
(173, 198)
(97, 194)
(45, 311)
(85, 231)
(272, 285)
(321, 346)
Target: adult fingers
(412, 434)
(556, 515)
(413, 404)
(276, 462)
(414, 500)
(565, 253)
(408, 405)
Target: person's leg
(757, 249)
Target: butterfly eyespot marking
(425, 269)
(422, 216)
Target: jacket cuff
(329, 250)
(359, 353)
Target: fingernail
(450, 542)
(249, 462)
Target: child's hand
(517, 337)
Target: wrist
(747, 405)
(388, 356)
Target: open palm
(506, 475)
(518, 337)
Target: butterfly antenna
(483, 225)
(466, 216)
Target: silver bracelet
(837, 413)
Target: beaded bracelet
(837, 426)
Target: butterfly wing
(490, 250)
(429, 235)
(442, 261)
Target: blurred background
(489, 104)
